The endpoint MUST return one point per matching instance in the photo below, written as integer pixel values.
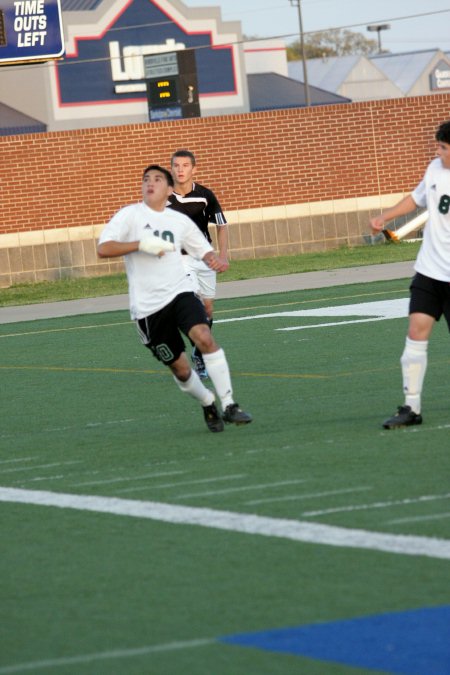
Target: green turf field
(147, 578)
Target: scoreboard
(172, 88)
(30, 30)
(162, 91)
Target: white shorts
(202, 277)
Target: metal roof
(79, 5)
(13, 122)
(271, 91)
(329, 72)
(404, 69)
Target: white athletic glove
(155, 245)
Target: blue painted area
(415, 642)
(87, 77)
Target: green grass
(86, 410)
(71, 289)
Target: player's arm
(113, 249)
(199, 247)
(404, 206)
(214, 263)
(222, 242)
(150, 244)
(216, 215)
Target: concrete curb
(227, 289)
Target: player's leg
(189, 382)
(160, 334)
(425, 309)
(197, 356)
(414, 359)
(192, 268)
(219, 373)
(206, 279)
(192, 321)
(198, 362)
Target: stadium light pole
(297, 3)
(378, 27)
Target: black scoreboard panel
(162, 91)
(161, 65)
(172, 88)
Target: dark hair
(161, 169)
(183, 153)
(443, 133)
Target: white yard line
(63, 330)
(18, 459)
(183, 482)
(439, 427)
(434, 516)
(39, 466)
(311, 495)
(38, 479)
(87, 425)
(104, 656)
(123, 479)
(293, 530)
(330, 324)
(243, 488)
(376, 505)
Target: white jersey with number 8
(433, 192)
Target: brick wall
(287, 179)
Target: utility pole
(378, 27)
(297, 3)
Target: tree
(338, 42)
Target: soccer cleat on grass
(199, 364)
(404, 417)
(234, 415)
(213, 420)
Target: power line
(140, 25)
(63, 62)
(390, 20)
(363, 23)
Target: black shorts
(161, 332)
(429, 296)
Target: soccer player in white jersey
(162, 301)
(430, 287)
(202, 206)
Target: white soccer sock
(414, 365)
(195, 388)
(219, 373)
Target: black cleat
(213, 420)
(234, 415)
(199, 364)
(404, 417)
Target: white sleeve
(420, 194)
(194, 241)
(118, 228)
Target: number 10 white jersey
(154, 282)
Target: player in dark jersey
(202, 206)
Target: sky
(274, 18)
